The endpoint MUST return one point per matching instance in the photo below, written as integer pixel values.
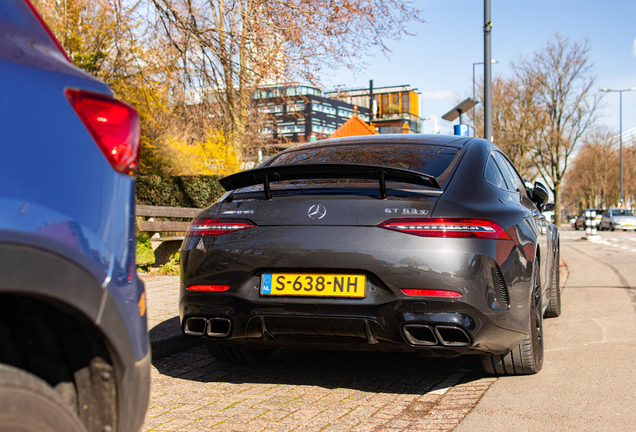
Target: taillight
(48, 30)
(208, 288)
(447, 227)
(113, 125)
(217, 227)
(430, 292)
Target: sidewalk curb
(166, 339)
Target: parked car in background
(548, 211)
(412, 243)
(580, 220)
(572, 219)
(74, 351)
(618, 218)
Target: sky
(438, 60)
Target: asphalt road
(587, 382)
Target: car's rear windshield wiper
(266, 175)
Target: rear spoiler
(269, 174)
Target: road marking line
(624, 247)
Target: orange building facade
(396, 108)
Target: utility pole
(620, 134)
(487, 73)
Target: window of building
(271, 109)
(296, 107)
(290, 128)
(345, 113)
(323, 129)
(316, 107)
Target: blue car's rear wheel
(29, 404)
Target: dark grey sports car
(421, 243)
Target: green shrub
(145, 256)
(178, 191)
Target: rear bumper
(391, 262)
(411, 325)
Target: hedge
(178, 191)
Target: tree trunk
(557, 204)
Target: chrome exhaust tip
(195, 326)
(420, 334)
(452, 336)
(218, 327)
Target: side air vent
(500, 288)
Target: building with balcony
(297, 112)
(396, 108)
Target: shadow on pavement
(166, 339)
(375, 372)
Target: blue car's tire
(29, 404)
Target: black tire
(612, 227)
(527, 358)
(554, 305)
(236, 353)
(29, 404)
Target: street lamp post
(487, 73)
(620, 92)
(474, 114)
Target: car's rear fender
(50, 273)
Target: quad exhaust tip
(218, 327)
(420, 334)
(426, 335)
(212, 327)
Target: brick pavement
(300, 390)
(162, 294)
(313, 391)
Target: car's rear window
(426, 159)
(431, 160)
(622, 212)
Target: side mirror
(540, 194)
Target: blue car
(74, 351)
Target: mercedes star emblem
(317, 211)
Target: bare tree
(561, 80)
(228, 48)
(593, 178)
(514, 124)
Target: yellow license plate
(313, 284)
